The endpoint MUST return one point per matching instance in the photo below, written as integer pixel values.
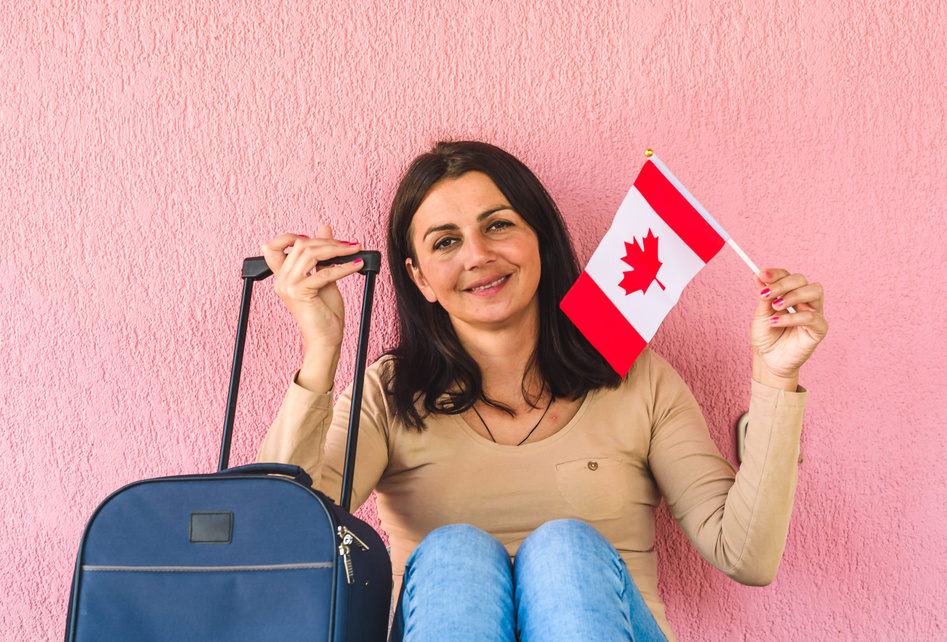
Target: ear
(420, 281)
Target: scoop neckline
(536, 445)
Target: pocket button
(593, 465)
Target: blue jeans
(568, 583)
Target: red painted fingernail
(778, 301)
(358, 261)
(774, 320)
(765, 275)
(764, 293)
(302, 236)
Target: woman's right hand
(311, 295)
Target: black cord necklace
(549, 405)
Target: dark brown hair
(429, 364)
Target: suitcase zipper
(347, 539)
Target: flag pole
(742, 255)
(746, 259)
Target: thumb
(324, 232)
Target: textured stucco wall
(146, 147)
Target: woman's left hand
(783, 341)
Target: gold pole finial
(649, 153)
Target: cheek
(532, 257)
(434, 280)
(439, 276)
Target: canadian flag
(660, 239)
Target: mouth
(487, 286)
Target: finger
(274, 250)
(332, 273)
(294, 267)
(811, 320)
(311, 286)
(308, 253)
(777, 287)
(771, 275)
(763, 281)
(807, 297)
(766, 280)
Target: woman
(495, 429)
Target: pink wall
(144, 151)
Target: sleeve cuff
(776, 396)
(306, 399)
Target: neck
(503, 355)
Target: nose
(478, 251)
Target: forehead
(469, 194)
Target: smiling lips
(487, 286)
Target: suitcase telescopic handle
(255, 269)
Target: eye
(499, 225)
(444, 243)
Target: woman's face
(476, 256)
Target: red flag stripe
(678, 213)
(602, 324)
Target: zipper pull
(348, 538)
(347, 563)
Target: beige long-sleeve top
(648, 439)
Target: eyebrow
(452, 226)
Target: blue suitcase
(247, 553)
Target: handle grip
(299, 475)
(256, 269)
(371, 258)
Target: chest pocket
(592, 485)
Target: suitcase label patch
(211, 528)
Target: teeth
(489, 285)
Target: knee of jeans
(457, 540)
(565, 534)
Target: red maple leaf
(644, 262)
